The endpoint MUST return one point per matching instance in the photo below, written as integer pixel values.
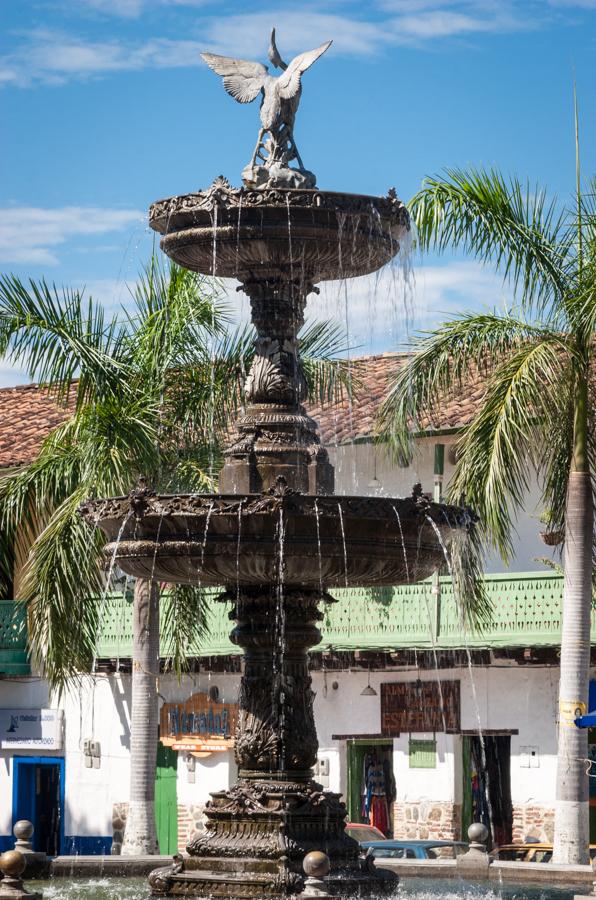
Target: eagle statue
(280, 96)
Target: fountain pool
(409, 889)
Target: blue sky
(106, 106)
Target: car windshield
(393, 853)
(445, 851)
(364, 833)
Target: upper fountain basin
(301, 540)
(273, 233)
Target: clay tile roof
(28, 414)
(345, 421)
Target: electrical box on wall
(191, 768)
(92, 754)
(529, 758)
(322, 771)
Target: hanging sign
(31, 729)
(420, 706)
(198, 721)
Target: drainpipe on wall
(439, 470)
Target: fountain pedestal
(259, 831)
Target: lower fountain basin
(300, 540)
(305, 235)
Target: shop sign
(196, 720)
(31, 729)
(412, 706)
(202, 746)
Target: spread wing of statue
(280, 96)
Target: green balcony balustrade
(14, 659)
(527, 613)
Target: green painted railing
(527, 613)
(14, 659)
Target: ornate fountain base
(259, 831)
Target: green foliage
(534, 367)
(152, 393)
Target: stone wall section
(533, 821)
(427, 820)
(191, 820)
(119, 814)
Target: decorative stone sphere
(23, 829)
(12, 863)
(316, 864)
(478, 833)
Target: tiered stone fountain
(275, 536)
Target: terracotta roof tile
(345, 422)
(28, 414)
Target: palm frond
(502, 446)
(445, 362)
(62, 574)
(58, 337)
(467, 552)
(184, 621)
(329, 375)
(557, 454)
(178, 313)
(505, 223)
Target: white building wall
(355, 466)
(505, 697)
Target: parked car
(361, 832)
(390, 849)
(528, 851)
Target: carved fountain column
(276, 438)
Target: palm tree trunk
(571, 836)
(140, 835)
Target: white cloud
(246, 35)
(441, 23)
(30, 234)
(54, 57)
(128, 9)
(131, 9)
(383, 311)
(111, 293)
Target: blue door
(38, 795)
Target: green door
(356, 753)
(466, 806)
(166, 807)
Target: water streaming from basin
(454, 582)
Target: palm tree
(148, 396)
(536, 418)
